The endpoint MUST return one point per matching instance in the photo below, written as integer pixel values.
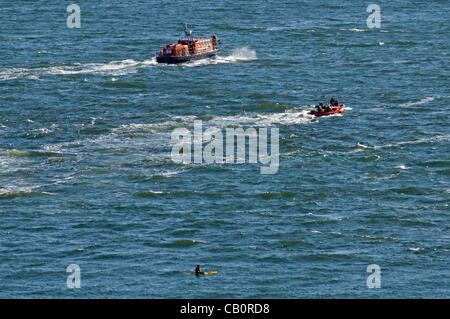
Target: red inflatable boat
(328, 110)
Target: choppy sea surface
(86, 176)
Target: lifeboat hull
(335, 110)
(183, 59)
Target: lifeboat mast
(188, 32)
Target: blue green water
(86, 176)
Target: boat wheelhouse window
(168, 51)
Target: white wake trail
(238, 55)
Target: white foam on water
(151, 61)
(113, 68)
(276, 28)
(171, 173)
(354, 30)
(243, 54)
(421, 140)
(154, 192)
(14, 73)
(361, 147)
(13, 189)
(138, 137)
(118, 68)
(291, 117)
(421, 101)
(402, 167)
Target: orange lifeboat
(189, 49)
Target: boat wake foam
(118, 68)
(241, 55)
(113, 68)
(422, 101)
(238, 55)
(291, 117)
(427, 140)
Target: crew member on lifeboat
(334, 101)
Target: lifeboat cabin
(188, 49)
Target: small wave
(41, 132)
(419, 141)
(435, 163)
(184, 243)
(359, 145)
(20, 153)
(421, 101)
(291, 243)
(276, 28)
(370, 158)
(149, 193)
(419, 250)
(269, 195)
(411, 190)
(372, 237)
(15, 192)
(354, 30)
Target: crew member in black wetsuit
(334, 101)
(198, 272)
